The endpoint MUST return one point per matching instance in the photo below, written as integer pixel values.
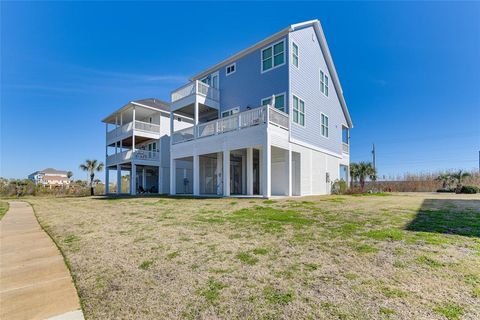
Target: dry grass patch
(398, 256)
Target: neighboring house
(270, 120)
(139, 143)
(50, 177)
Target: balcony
(137, 155)
(195, 87)
(140, 126)
(235, 122)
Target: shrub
(446, 190)
(469, 189)
(339, 187)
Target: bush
(339, 187)
(446, 190)
(469, 189)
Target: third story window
(323, 83)
(273, 56)
(279, 102)
(231, 68)
(295, 54)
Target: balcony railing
(137, 154)
(345, 148)
(196, 87)
(234, 122)
(139, 125)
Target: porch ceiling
(189, 111)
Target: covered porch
(131, 178)
(253, 171)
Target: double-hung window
(323, 83)
(273, 56)
(279, 102)
(295, 54)
(230, 112)
(324, 126)
(298, 111)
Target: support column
(266, 168)
(172, 124)
(249, 171)
(107, 180)
(226, 173)
(144, 179)
(133, 180)
(119, 179)
(288, 173)
(133, 131)
(160, 180)
(219, 173)
(173, 188)
(196, 175)
(195, 120)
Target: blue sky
(410, 73)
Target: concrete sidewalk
(34, 281)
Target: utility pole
(373, 156)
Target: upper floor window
(231, 68)
(279, 102)
(230, 112)
(323, 83)
(345, 137)
(295, 54)
(273, 56)
(324, 126)
(298, 111)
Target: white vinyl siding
(295, 54)
(324, 126)
(273, 56)
(279, 101)
(298, 111)
(323, 83)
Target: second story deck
(261, 116)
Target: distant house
(50, 177)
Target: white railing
(278, 118)
(183, 135)
(139, 125)
(195, 87)
(346, 148)
(234, 122)
(146, 126)
(128, 155)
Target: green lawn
(3, 208)
(399, 256)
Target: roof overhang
(111, 118)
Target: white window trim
(320, 82)
(284, 94)
(273, 55)
(236, 109)
(295, 55)
(304, 113)
(234, 70)
(327, 126)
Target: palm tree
(459, 177)
(91, 166)
(364, 170)
(445, 179)
(353, 174)
(69, 174)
